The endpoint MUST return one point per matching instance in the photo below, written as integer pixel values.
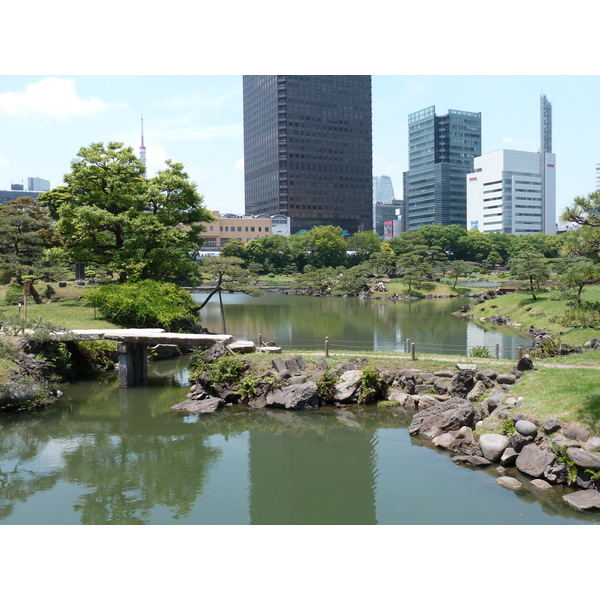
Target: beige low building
(244, 228)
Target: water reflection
(358, 324)
(121, 456)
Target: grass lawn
(539, 314)
(571, 395)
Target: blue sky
(197, 120)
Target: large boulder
(533, 461)
(207, 405)
(295, 397)
(446, 416)
(493, 445)
(347, 386)
(584, 459)
(583, 500)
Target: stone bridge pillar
(133, 363)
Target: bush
(145, 303)
(13, 294)
(479, 352)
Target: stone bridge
(133, 344)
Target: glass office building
(441, 150)
(308, 149)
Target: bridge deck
(151, 336)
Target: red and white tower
(142, 147)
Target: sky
(197, 120)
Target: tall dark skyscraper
(441, 150)
(308, 149)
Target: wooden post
(519, 352)
(326, 347)
(497, 351)
(26, 292)
(412, 351)
(259, 340)
(407, 345)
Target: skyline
(198, 120)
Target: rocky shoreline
(469, 413)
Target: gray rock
(426, 401)
(557, 473)
(510, 483)
(347, 385)
(495, 400)
(292, 365)
(279, 365)
(207, 405)
(551, 425)
(490, 373)
(296, 379)
(592, 445)
(525, 364)
(478, 390)
(493, 445)
(321, 364)
(242, 347)
(575, 432)
(475, 461)
(466, 367)
(449, 374)
(583, 459)
(583, 500)
(445, 416)
(533, 461)
(518, 441)
(466, 433)
(540, 484)
(526, 428)
(295, 397)
(446, 440)
(506, 378)
(401, 399)
(508, 458)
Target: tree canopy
(109, 213)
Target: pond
(293, 321)
(111, 455)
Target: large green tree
(532, 267)
(585, 241)
(110, 213)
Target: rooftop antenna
(142, 147)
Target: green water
(108, 455)
(354, 324)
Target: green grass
(72, 315)
(571, 395)
(521, 308)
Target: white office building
(510, 191)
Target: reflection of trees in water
(133, 474)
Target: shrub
(228, 370)
(13, 294)
(372, 386)
(480, 352)
(145, 303)
(326, 386)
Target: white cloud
(3, 162)
(52, 97)
(239, 164)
